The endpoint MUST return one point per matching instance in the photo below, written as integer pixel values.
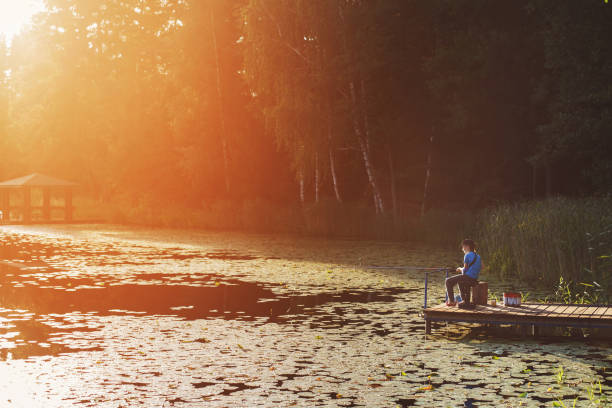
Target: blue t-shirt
(474, 270)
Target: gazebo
(35, 183)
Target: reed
(542, 241)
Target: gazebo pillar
(4, 205)
(47, 203)
(27, 205)
(68, 204)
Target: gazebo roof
(36, 180)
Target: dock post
(535, 330)
(427, 326)
(445, 294)
(425, 300)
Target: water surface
(103, 316)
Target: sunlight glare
(15, 14)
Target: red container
(512, 299)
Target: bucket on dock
(512, 299)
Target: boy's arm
(465, 265)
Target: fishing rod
(416, 268)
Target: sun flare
(16, 14)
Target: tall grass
(534, 241)
(325, 219)
(541, 241)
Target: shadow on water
(25, 302)
(232, 299)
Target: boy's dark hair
(469, 243)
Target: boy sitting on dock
(468, 276)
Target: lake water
(106, 316)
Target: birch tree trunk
(427, 175)
(366, 126)
(363, 148)
(332, 162)
(220, 103)
(364, 143)
(330, 120)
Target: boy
(468, 277)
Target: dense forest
(397, 106)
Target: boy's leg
(465, 285)
(450, 283)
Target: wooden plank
(520, 311)
(570, 311)
(530, 309)
(551, 310)
(557, 310)
(515, 319)
(579, 310)
(593, 311)
(600, 312)
(533, 308)
(567, 311)
(537, 309)
(529, 313)
(546, 309)
(587, 311)
(488, 309)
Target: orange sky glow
(16, 14)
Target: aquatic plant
(559, 403)
(592, 392)
(595, 394)
(539, 241)
(560, 375)
(581, 293)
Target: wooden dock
(528, 314)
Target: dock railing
(427, 271)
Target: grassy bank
(534, 241)
(326, 219)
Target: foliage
(181, 103)
(581, 293)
